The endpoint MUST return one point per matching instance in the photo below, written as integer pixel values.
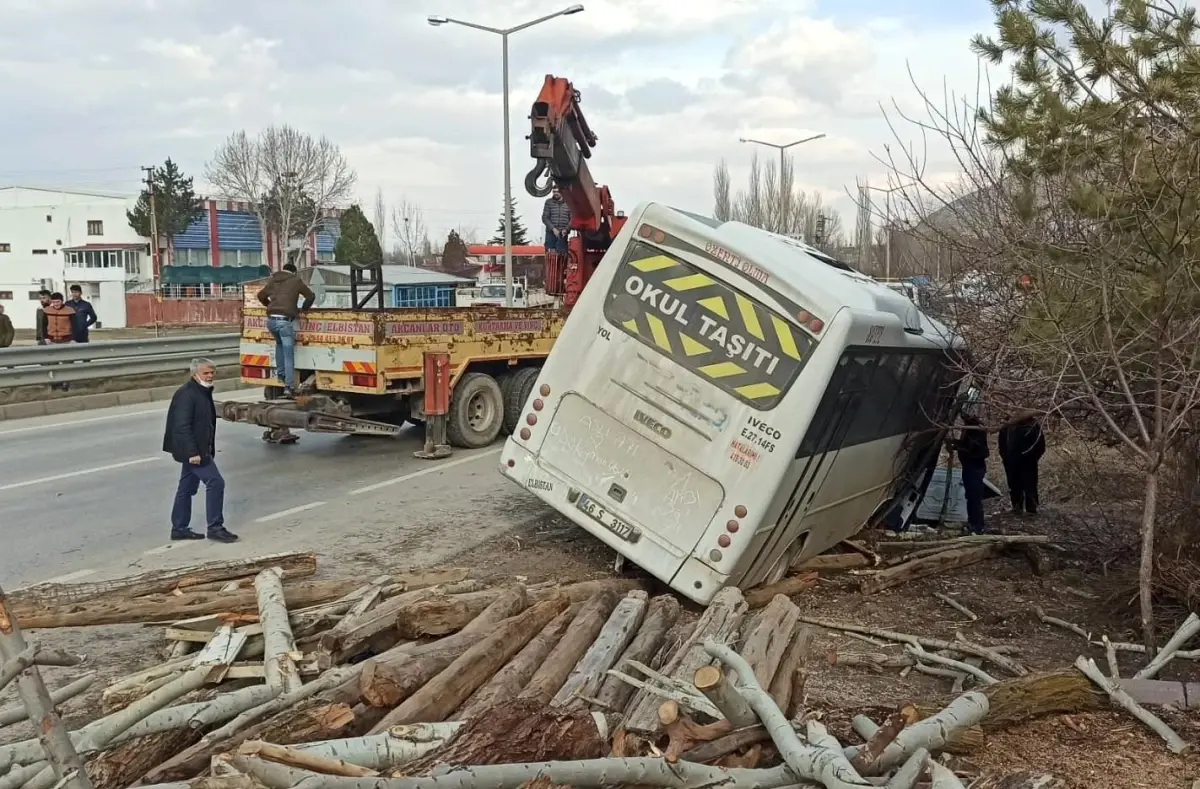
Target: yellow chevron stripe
(692, 347)
(757, 391)
(749, 317)
(631, 325)
(786, 341)
(721, 370)
(656, 263)
(715, 304)
(659, 332)
(690, 282)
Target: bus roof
(803, 273)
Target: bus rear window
(708, 327)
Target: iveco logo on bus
(642, 418)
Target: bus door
(818, 451)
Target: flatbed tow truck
(464, 373)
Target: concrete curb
(92, 402)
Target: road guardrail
(48, 364)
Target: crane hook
(531, 180)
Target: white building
(53, 239)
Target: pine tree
(175, 204)
(1101, 168)
(358, 245)
(454, 253)
(519, 234)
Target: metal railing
(48, 364)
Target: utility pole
(155, 262)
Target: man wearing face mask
(191, 439)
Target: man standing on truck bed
(556, 216)
(280, 296)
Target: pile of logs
(431, 680)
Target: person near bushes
(1022, 445)
(972, 448)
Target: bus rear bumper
(686, 574)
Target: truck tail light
(363, 381)
(250, 371)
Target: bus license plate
(596, 512)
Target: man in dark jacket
(972, 446)
(280, 296)
(556, 218)
(1022, 445)
(39, 321)
(7, 332)
(191, 439)
(85, 315)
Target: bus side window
(906, 414)
(822, 420)
(889, 379)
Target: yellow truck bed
(380, 351)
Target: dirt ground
(1086, 513)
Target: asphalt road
(89, 496)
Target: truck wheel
(506, 380)
(476, 411)
(517, 395)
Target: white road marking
(64, 579)
(80, 421)
(91, 419)
(434, 467)
(80, 473)
(284, 513)
(158, 550)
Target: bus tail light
(544, 391)
(525, 434)
(538, 405)
(724, 541)
(810, 321)
(740, 511)
(732, 526)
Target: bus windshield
(722, 335)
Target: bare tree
(408, 225)
(289, 178)
(470, 234)
(1081, 177)
(771, 201)
(380, 218)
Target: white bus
(724, 401)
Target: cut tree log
(768, 638)
(511, 601)
(966, 647)
(440, 614)
(397, 746)
(906, 546)
(439, 697)
(876, 661)
(761, 595)
(832, 562)
(124, 764)
(929, 565)
(661, 616)
(293, 757)
(795, 659)
(930, 734)
(1185, 633)
(1120, 698)
(616, 634)
(718, 688)
(308, 721)
(523, 730)
(388, 679)
(511, 679)
(17, 713)
(161, 608)
(683, 734)
(282, 676)
(580, 635)
(41, 596)
(450, 613)
(720, 622)
(885, 735)
(381, 619)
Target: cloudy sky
(91, 90)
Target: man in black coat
(972, 446)
(191, 439)
(1022, 445)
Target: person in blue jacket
(85, 315)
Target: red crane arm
(562, 141)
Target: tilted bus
(723, 402)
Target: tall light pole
(783, 200)
(887, 224)
(504, 33)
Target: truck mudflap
(283, 416)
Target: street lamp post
(782, 162)
(887, 223)
(504, 33)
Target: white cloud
(93, 90)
